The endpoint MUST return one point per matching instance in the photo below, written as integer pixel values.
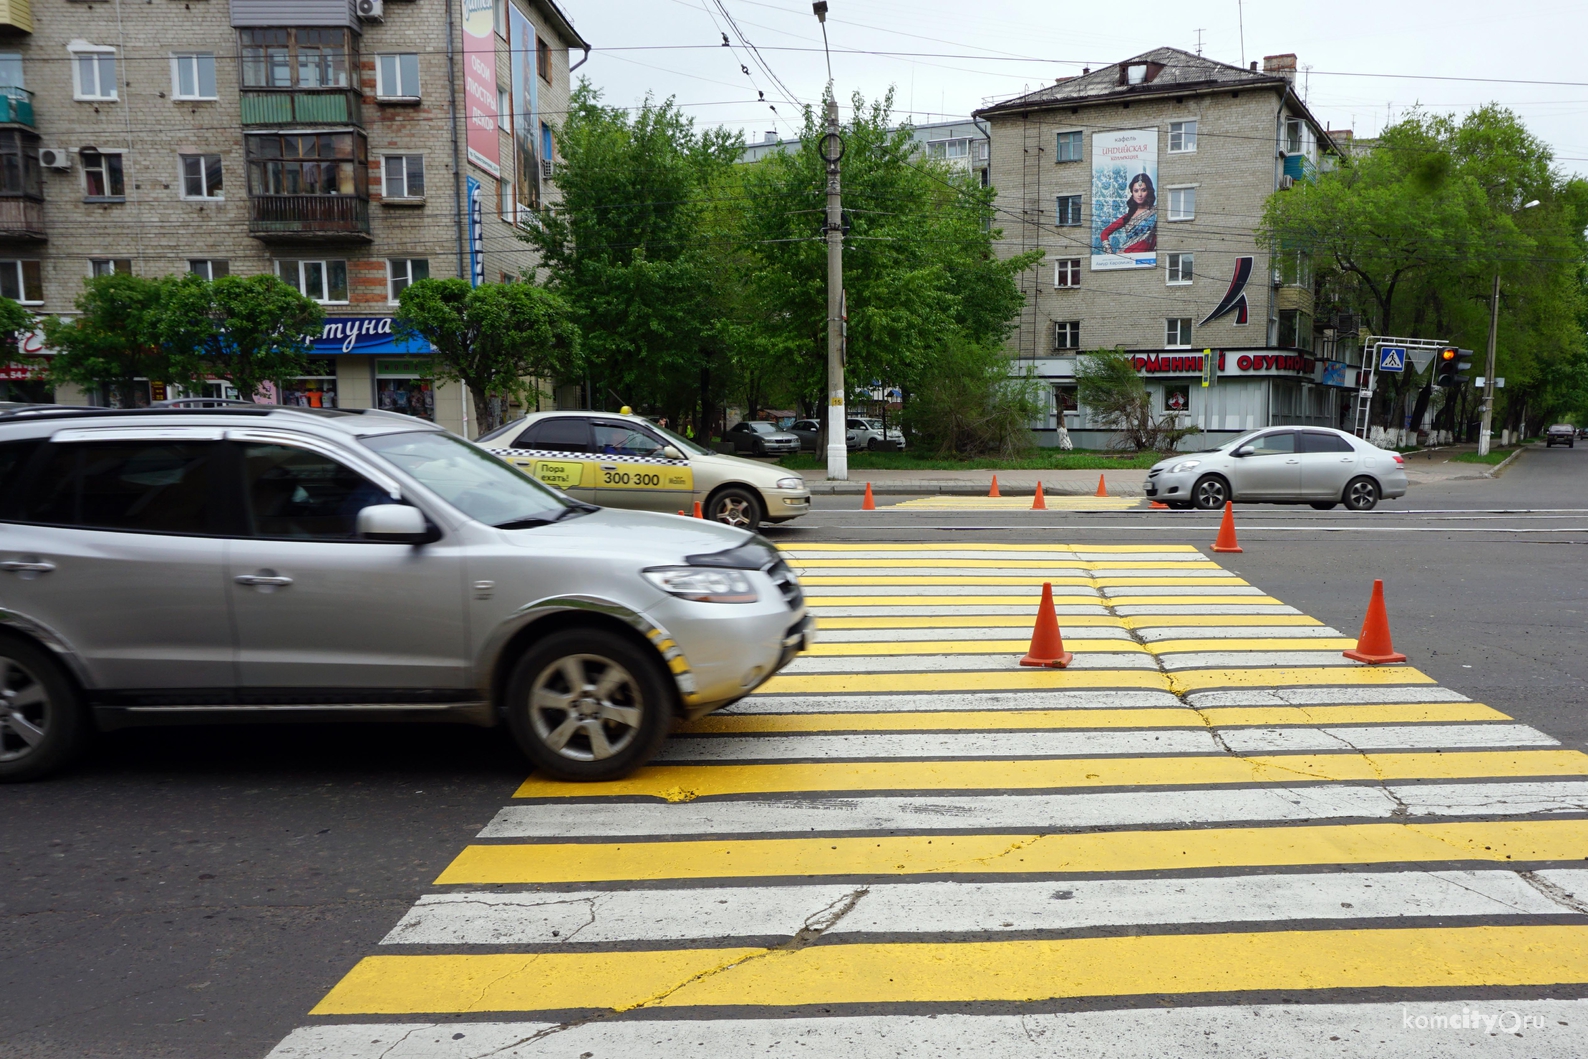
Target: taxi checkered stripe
(584, 457)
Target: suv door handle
(27, 566)
(264, 580)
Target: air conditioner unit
(372, 10)
(545, 168)
(55, 158)
(1285, 182)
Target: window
(475, 482)
(1182, 204)
(193, 75)
(297, 494)
(1069, 147)
(1069, 210)
(22, 281)
(621, 439)
(980, 151)
(109, 266)
(397, 76)
(1182, 137)
(545, 143)
(404, 384)
(499, 16)
(1136, 75)
(1177, 332)
(208, 267)
(948, 150)
(404, 176)
(1180, 268)
(316, 388)
(504, 104)
(326, 163)
(1066, 334)
(1177, 397)
(102, 175)
(323, 281)
(562, 434)
(317, 57)
(1279, 442)
(93, 72)
(1295, 135)
(139, 486)
(201, 176)
(543, 59)
(1318, 441)
(402, 271)
(11, 70)
(1295, 329)
(1067, 272)
(19, 164)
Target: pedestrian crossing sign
(1392, 358)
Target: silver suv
(259, 562)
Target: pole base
(1061, 662)
(1374, 660)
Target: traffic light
(1451, 365)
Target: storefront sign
(1234, 300)
(1281, 362)
(479, 84)
(1228, 363)
(1171, 363)
(1124, 199)
(364, 334)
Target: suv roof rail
(206, 402)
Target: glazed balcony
(16, 106)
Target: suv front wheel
(42, 726)
(588, 704)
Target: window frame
(1075, 137)
(1059, 212)
(326, 285)
(204, 175)
(22, 278)
(1184, 191)
(209, 264)
(393, 292)
(351, 60)
(543, 58)
(1072, 331)
(1184, 127)
(177, 58)
(82, 49)
(407, 180)
(1179, 326)
(382, 85)
(105, 169)
(115, 264)
(1176, 270)
(1066, 273)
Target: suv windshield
(473, 481)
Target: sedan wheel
(735, 507)
(873, 444)
(587, 704)
(41, 725)
(1210, 493)
(1361, 494)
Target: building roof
(560, 23)
(1180, 71)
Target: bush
(1107, 384)
(967, 404)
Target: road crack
(1553, 891)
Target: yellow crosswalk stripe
(1020, 599)
(871, 648)
(914, 580)
(806, 547)
(1015, 562)
(1444, 957)
(1020, 503)
(977, 680)
(1023, 621)
(685, 782)
(1276, 643)
(1345, 676)
(1149, 717)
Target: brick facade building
(349, 146)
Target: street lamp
(1488, 376)
(832, 151)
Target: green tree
(1107, 384)
(246, 330)
(966, 403)
(114, 340)
(492, 337)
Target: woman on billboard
(1137, 231)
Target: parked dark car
(762, 439)
(809, 432)
(1561, 434)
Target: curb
(1494, 472)
(858, 487)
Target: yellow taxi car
(618, 460)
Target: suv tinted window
(13, 462)
(294, 493)
(621, 439)
(147, 486)
(563, 434)
(1318, 441)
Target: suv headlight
(1185, 465)
(790, 483)
(703, 584)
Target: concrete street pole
(1488, 374)
(837, 417)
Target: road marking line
(685, 782)
(1077, 676)
(1246, 610)
(1186, 594)
(1101, 550)
(1337, 696)
(1092, 639)
(1205, 660)
(1090, 655)
(1143, 618)
(1012, 564)
(967, 972)
(1022, 599)
(1267, 643)
(1219, 635)
(990, 702)
(1195, 680)
(1023, 580)
(881, 641)
(1019, 503)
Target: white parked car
(868, 434)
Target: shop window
(22, 281)
(103, 176)
(1068, 211)
(1177, 332)
(405, 385)
(323, 281)
(193, 75)
(208, 267)
(315, 388)
(1177, 398)
(1067, 272)
(1182, 137)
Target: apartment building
(1144, 183)
(962, 144)
(348, 146)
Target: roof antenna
(1240, 13)
(1199, 40)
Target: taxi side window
(1279, 441)
(563, 434)
(621, 439)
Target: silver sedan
(1284, 465)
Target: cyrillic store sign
(364, 335)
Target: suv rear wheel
(588, 704)
(42, 725)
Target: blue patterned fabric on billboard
(1125, 199)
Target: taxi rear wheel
(735, 507)
(588, 704)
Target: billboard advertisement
(479, 84)
(1125, 199)
(526, 161)
(476, 233)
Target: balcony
(16, 14)
(338, 106)
(16, 105)
(301, 218)
(22, 219)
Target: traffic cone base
(1157, 506)
(1102, 490)
(994, 490)
(868, 504)
(698, 513)
(1047, 643)
(1037, 503)
(1374, 645)
(1226, 537)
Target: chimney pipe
(1283, 65)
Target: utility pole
(1488, 375)
(832, 150)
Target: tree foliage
(246, 330)
(115, 338)
(966, 403)
(1107, 384)
(492, 337)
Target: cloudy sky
(948, 58)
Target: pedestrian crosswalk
(1021, 503)
(904, 844)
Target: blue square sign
(1392, 358)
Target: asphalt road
(195, 892)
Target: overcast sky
(1459, 54)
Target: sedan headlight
(703, 584)
(790, 483)
(1185, 465)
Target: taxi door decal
(560, 474)
(635, 475)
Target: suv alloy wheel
(42, 726)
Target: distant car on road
(1561, 434)
(1283, 465)
(261, 563)
(758, 438)
(869, 434)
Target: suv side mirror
(671, 452)
(1245, 450)
(394, 524)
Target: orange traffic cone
(698, 513)
(1374, 646)
(994, 490)
(681, 513)
(1037, 503)
(1157, 506)
(1102, 490)
(868, 504)
(1047, 644)
(1226, 538)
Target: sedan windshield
(764, 428)
(683, 443)
(473, 481)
